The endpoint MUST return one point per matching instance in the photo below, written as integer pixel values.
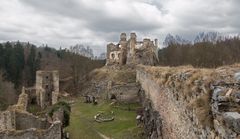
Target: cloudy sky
(97, 22)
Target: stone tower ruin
(47, 87)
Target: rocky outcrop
(182, 102)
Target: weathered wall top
(194, 103)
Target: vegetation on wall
(61, 105)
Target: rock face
(188, 103)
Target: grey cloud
(94, 22)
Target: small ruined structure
(132, 52)
(47, 87)
(17, 123)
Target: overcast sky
(97, 22)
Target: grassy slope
(83, 126)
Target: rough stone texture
(23, 100)
(14, 119)
(191, 103)
(132, 52)
(53, 132)
(47, 87)
(18, 124)
(232, 120)
(175, 123)
(237, 76)
(25, 120)
(125, 93)
(7, 120)
(152, 120)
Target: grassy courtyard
(83, 126)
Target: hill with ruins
(132, 96)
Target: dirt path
(103, 136)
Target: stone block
(232, 120)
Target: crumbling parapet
(22, 103)
(23, 100)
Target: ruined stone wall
(25, 120)
(181, 98)
(7, 120)
(175, 123)
(22, 101)
(55, 92)
(125, 93)
(53, 132)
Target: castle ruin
(17, 123)
(47, 87)
(132, 52)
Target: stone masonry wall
(175, 123)
(25, 120)
(53, 132)
(7, 120)
(186, 103)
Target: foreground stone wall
(53, 132)
(7, 120)
(175, 123)
(25, 120)
(181, 99)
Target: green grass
(83, 126)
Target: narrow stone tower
(47, 87)
(123, 44)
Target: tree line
(201, 54)
(19, 62)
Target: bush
(66, 111)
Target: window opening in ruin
(113, 56)
(46, 77)
(46, 86)
(113, 96)
(33, 101)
